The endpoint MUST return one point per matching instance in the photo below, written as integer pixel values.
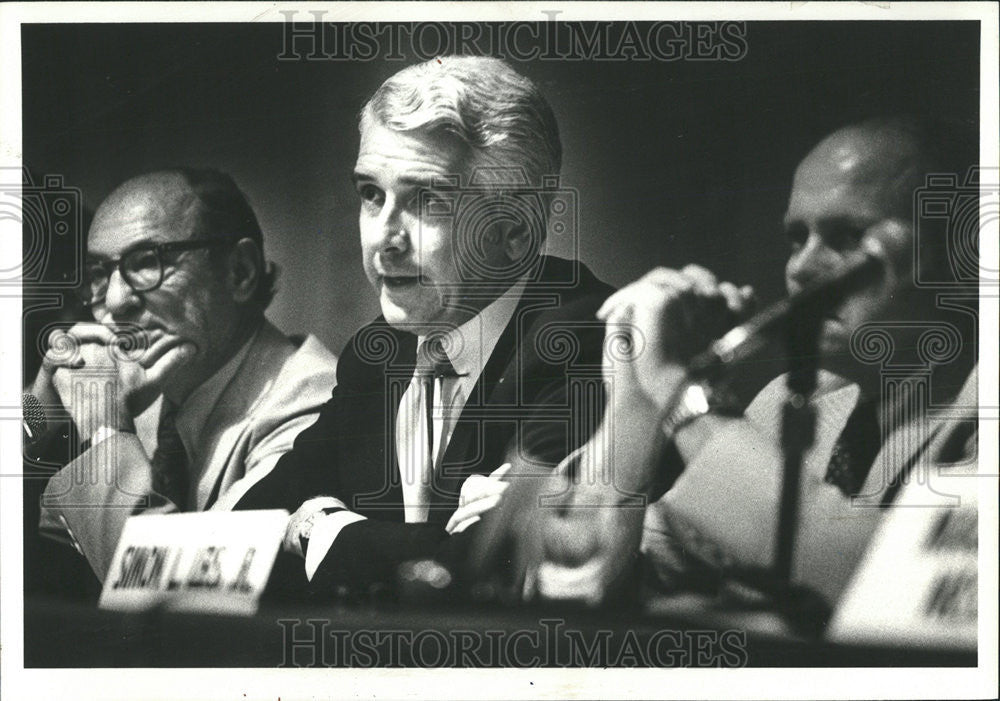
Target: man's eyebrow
(834, 220)
(145, 242)
(425, 181)
(841, 221)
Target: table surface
(64, 634)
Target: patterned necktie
(855, 450)
(170, 462)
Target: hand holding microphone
(681, 324)
(665, 318)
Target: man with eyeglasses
(183, 394)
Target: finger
(654, 277)
(458, 528)
(501, 471)
(470, 489)
(618, 320)
(475, 508)
(86, 332)
(621, 311)
(704, 279)
(652, 287)
(616, 298)
(159, 349)
(53, 360)
(73, 354)
(734, 302)
(613, 302)
(479, 506)
(483, 489)
(171, 360)
(749, 296)
(62, 351)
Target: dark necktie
(432, 363)
(855, 450)
(170, 462)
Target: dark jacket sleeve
(371, 551)
(537, 387)
(303, 472)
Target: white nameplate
(214, 561)
(918, 583)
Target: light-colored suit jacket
(722, 512)
(275, 393)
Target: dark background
(674, 162)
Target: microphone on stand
(42, 441)
(859, 270)
(33, 418)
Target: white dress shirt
(191, 422)
(468, 347)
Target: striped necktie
(170, 460)
(855, 450)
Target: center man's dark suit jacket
(539, 397)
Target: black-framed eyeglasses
(141, 267)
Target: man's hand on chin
(101, 383)
(144, 378)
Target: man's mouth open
(400, 281)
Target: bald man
(855, 191)
(191, 395)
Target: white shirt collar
(192, 416)
(470, 345)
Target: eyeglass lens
(140, 268)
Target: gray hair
(497, 112)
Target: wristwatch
(305, 529)
(694, 402)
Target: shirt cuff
(301, 522)
(102, 434)
(324, 532)
(559, 583)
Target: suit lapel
(370, 437)
(232, 413)
(468, 444)
(489, 418)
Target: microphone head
(33, 415)
(859, 269)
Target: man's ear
(244, 266)
(518, 241)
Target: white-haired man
(456, 174)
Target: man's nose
(394, 228)
(120, 298)
(814, 260)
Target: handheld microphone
(860, 270)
